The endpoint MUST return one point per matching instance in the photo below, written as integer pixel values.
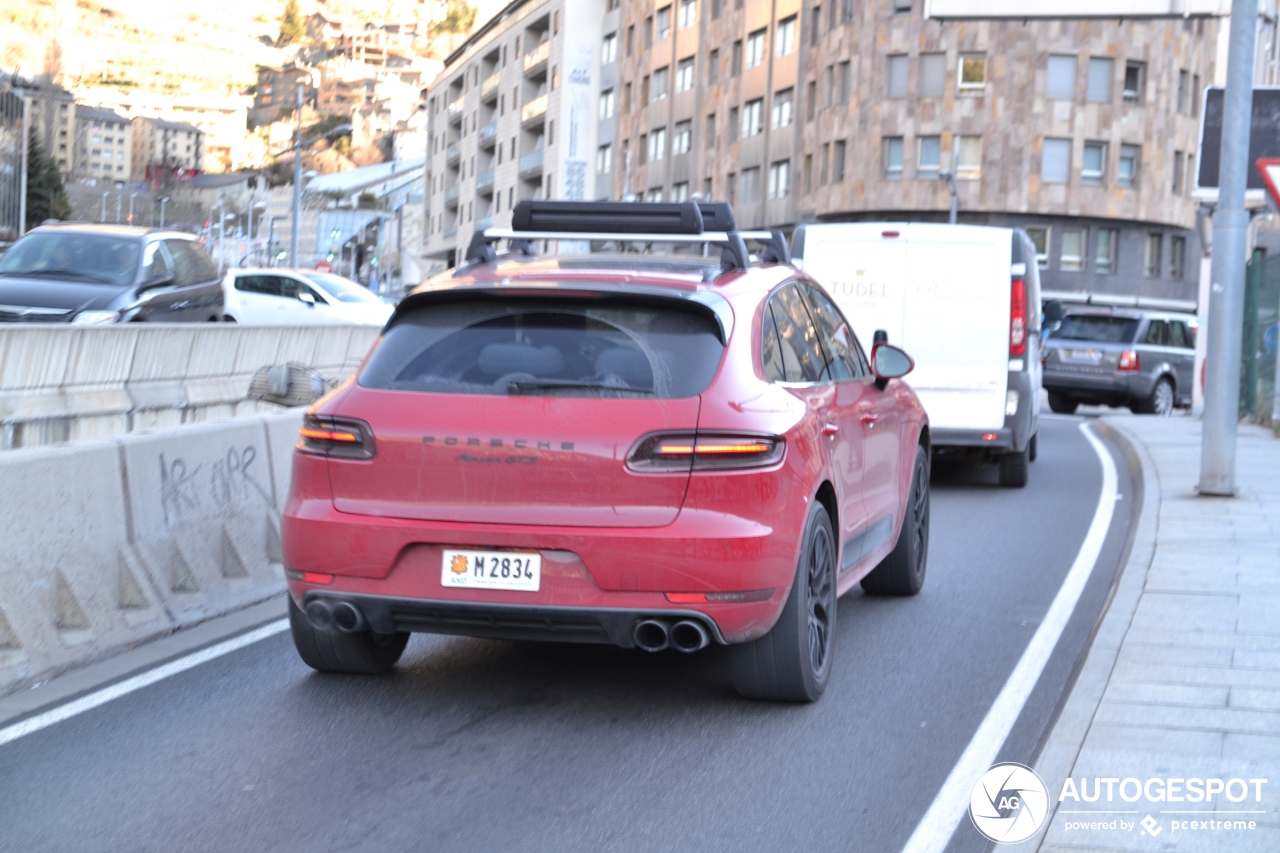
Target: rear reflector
(684, 452)
(308, 577)
(989, 436)
(719, 597)
(1129, 360)
(343, 437)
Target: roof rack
(642, 222)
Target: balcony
(535, 111)
(455, 109)
(489, 88)
(531, 164)
(452, 153)
(484, 181)
(536, 59)
(451, 195)
(488, 134)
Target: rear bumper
(1099, 386)
(998, 438)
(386, 614)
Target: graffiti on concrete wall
(189, 490)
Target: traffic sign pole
(1230, 242)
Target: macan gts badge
(653, 451)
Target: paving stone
(1262, 700)
(1176, 655)
(1172, 717)
(1172, 694)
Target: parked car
(652, 452)
(964, 300)
(275, 296)
(82, 273)
(1121, 357)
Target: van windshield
(1101, 328)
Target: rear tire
(1013, 468)
(362, 653)
(902, 572)
(1061, 403)
(1033, 448)
(792, 663)
(227, 318)
(1160, 402)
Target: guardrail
(65, 383)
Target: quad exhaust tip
(652, 635)
(689, 636)
(319, 615)
(344, 616)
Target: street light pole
(132, 196)
(950, 177)
(104, 206)
(1230, 240)
(222, 235)
(297, 188)
(162, 204)
(117, 208)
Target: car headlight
(95, 318)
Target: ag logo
(1009, 803)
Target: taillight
(1018, 318)
(1128, 360)
(343, 437)
(689, 451)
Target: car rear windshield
(1097, 327)
(71, 256)
(546, 347)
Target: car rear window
(1097, 327)
(546, 347)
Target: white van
(964, 301)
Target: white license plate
(518, 570)
(1091, 355)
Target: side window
(838, 337)
(268, 285)
(770, 348)
(1178, 335)
(291, 287)
(189, 266)
(155, 265)
(801, 352)
(1156, 333)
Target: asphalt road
(479, 745)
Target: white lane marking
(137, 682)
(950, 805)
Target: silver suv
(1121, 357)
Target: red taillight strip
(326, 435)
(1018, 317)
(719, 597)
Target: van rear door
(956, 322)
(863, 267)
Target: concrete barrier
(108, 543)
(66, 383)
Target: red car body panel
(553, 479)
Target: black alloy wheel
(902, 572)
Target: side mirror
(1053, 313)
(889, 362)
(880, 336)
(305, 296)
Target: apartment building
(1083, 132)
(163, 150)
(525, 108)
(104, 145)
(51, 112)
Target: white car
(289, 297)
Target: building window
(753, 117)
(929, 159)
(684, 75)
(680, 191)
(1191, 170)
(892, 146)
(1106, 245)
(644, 148)
(755, 48)
(631, 39)
(811, 100)
(1177, 257)
(829, 85)
(604, 159)
(845, 74)
(1040, 239)
(782, 106)
(1071, 258)
(735, 127)
(896, 76)
(1061, 80)
(658, 143)
(901, 7)
(973, 72)
(1151, 257)
(660, 83)
(711, 130)
(683, 137)
(969, 161)
(1184, 91)
(1178, 158)
(786, 38)
(716, 7)
(713, 67)
(654, 194)
(732, 184)
(1195, 95)
(806, 176)
(1128, 173)
(1135, 76)
(838, 157)
(606, 104)
(1101, 72)
(1093, 165)
(933, 74)
(626, 98)
(688, 13)
(735, 61)
(1055, 165)
(609, 49)
(663, 22)
(815, 31)
(750, 189)
(846, 11)
(780, 179)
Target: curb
(1059, 749)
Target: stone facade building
(104, 145)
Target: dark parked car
(80, 273)
(1141, 359)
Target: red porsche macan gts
(650, 451)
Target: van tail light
(341, 437)
(674, 452)
(1129, 360)
(1018, 318)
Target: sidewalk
(1183, 678)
